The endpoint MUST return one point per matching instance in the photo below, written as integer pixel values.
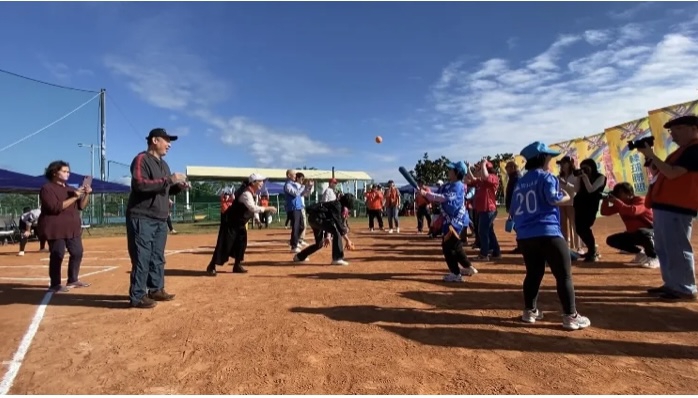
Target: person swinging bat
(327, 222)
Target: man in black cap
(146, 219)
(673, 198)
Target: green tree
(431, 170)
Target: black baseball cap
(565, 159)
(161, 133)
(688, 120)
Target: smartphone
(87, 181)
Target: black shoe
(674, 296)
(161, 295)
(656, 291)
(144, 303)
(211, 270)
(238, 269)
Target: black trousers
(297, 226)
(422, 213)
(475, 219)
(631, 242)
(585, 217)
(554, 251)
(57, 249)
(372, 215)
(23, 243)
(169, 224)
(319, 233)
(454, 254)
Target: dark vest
(238, 215)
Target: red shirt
(486, 193)
(55, 222)
(634, 214)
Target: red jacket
(634, 214)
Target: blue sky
(292, 84)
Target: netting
(40, 123)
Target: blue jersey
(452, 198)
(533, 205)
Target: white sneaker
(531, 316)
(20, 253)
(468, 271)
(640, 258)
(453, 278)
(370, 230)
(390, 231)
(298, 260)
(296, 250)
(575, 322)
(340, 262)
(651, 263)
(397, 230)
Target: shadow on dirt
(519, 340)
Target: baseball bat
(408, 177)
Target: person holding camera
(568, 183)
(673, 198)
(586, 205)
(638, 237)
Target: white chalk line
(45, 278)
(46, 266)
(18, 358)
(24, 345)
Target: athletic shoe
(651, 263)
(531, 316)
(453, 278)
(20, 253)
(340, 262)
(640, 258)
(298, 260)
(296, 250)
(397, 230)
(575, 322)
(468, 271)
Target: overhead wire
(50, 124)
(46, 83)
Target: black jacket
(151, 187)
(511, 184)
(327, 216)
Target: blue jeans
(486, 235)
(393, 217)
(146, 239)
(672, 235)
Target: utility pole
(103, 147)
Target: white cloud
(181, 131)
(631, 12)
(381, 157)
(165, 74)
(502, 105)
(596, 37)
(62, 72)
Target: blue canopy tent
(273, 188)
(12, 182)
(98, 186)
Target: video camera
(647, 142)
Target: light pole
(92, 172)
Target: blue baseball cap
(537, 148)
(458, 166)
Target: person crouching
(232, 239)
(638, 238)
(328, 224)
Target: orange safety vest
(680, 194)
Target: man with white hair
(293, 193)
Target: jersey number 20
(527, 202)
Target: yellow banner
(596, 147)
(663, 145)
(628, 166)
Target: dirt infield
(386, 324)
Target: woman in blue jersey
(534, 210)
(451, 197)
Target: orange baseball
(379, 139)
